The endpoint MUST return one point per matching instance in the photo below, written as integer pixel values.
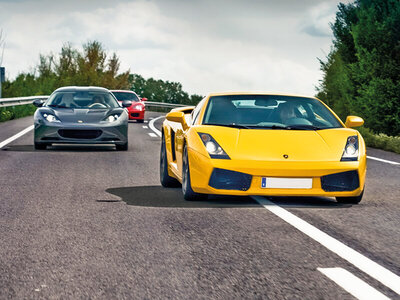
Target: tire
(140, 121)
(40, 146)
(121, 147)
(350, 200)
(187, 191)
(165, 179)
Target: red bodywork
(137, 110)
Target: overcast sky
(208, 46)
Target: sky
(208, 46)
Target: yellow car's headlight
(212, 147)
(350, 152)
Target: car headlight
(138, 107)
(350, 152)
(112, 118)
(212, 147)
(50, 118)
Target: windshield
(82, 99)
(270, 112)
(122, 96)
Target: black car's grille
(79, 134)
(340, 182)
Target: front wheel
(187, 191)
(350, 200)
(121, 147)
(40, 146)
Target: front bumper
(73, 133)
(136, 114)
(201, 169)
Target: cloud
(206, 45)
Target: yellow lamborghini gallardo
(262, 144)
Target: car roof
(256, 93)
(82, 89)
(123, 91)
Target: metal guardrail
(5, 102)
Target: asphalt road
(88, 222)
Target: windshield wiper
(57, 106)
(303, 127)
(230, 125)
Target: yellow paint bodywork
(311, 154)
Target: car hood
(75, 115)
(281, 145)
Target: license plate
(286, 183)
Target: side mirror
(38, 102)
(144, 99)
(353, 121)
(126, 103)
(179, 117)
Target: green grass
(381, 140)
(15, 112)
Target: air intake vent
(79, 134)
(340, 182)
(230, 180)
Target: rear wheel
(350, 200)
(121, 147)
(40, 146)
(187, 191)
(165, 179)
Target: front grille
(340, 182)
(229, 180)
(135, 114)
(79, 134)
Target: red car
(137, 109)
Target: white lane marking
(352, 284)
(145, 127)
(152, 134)
(14, 137)
(152, 127)
(365, 264)
(146, 121)
(383, 160)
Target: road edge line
(152, 127)
(384, 160)
(362, 262)
(16, 136)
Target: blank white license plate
(286, 183)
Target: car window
(82, 99)
(196, 111)
(122, 96)
(269, 111)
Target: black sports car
(81, 115)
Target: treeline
(91, 66)
(362, 71)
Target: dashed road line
(365, 264)
(145, 127)
(152, 134)
(383, 160)
(14, 137)
(352, 284)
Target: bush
(15, 112)
(381, 140)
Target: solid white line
(152, 134)
(365, 264)
(14, 137)
(352, 284)
(145, 127)
(383, 160)
(152, 127)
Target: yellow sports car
(262, 144)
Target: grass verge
(381, 140)
(15, 112)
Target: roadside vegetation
(362, 70)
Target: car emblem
(80, 121)
(285, 156)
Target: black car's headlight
(212, 147)
(112, 118)
(350, 152)
(50, 118)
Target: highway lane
(90, 222)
